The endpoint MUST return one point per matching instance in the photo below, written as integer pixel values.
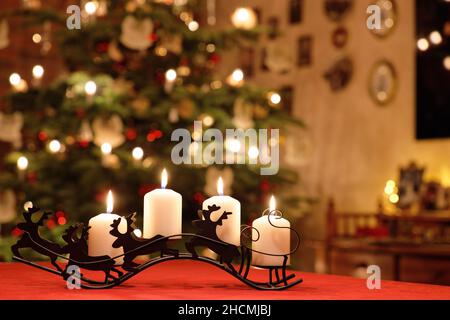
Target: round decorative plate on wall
(382, 82)
(388, 11)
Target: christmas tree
(134, 72)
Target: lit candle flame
(220, 186)
(272, 204)
(164, 179)
(109, 202)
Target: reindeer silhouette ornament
(32, 239)
(134, 246)
(206, 229)
(78, 249)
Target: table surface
(192, 280)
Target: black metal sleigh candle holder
(75, 252)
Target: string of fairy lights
(242, 18)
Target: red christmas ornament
(42, 136)
(102, 47)
(51, 224)
(264, 186)
(160, 77)
(16, 232)
(32, 177)
(131, 134)
(60, 214)
(153, 37)
(150, 137)
(83, 144)
(199, 197)
(154, 134)
(214, 58)
(80, 112)
(158, 134)
(61, 221)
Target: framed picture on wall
(263, 65)
(274, 27)
(247, 58)
(258, 14)
(295, 11)
(305, 46)
(287, 94)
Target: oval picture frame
(382, 82)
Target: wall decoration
(388, 17)
(382, 82)
(336, 10)
(295, 11)
(340, 74)
(274, 27)
(247, 59)
(287, 94)
(279, 58)
(305, 44)
(410, 184)
(263, 65)
(340, 37)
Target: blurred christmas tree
(135, 71)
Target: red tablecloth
(197, 280)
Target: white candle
(38, 73)
(90, 8)
(100, 240)
(171, 76)
(230, 230)
(90, 88)
(271, 240)
(162, 211)
(22, 165)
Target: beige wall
(356, 145)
